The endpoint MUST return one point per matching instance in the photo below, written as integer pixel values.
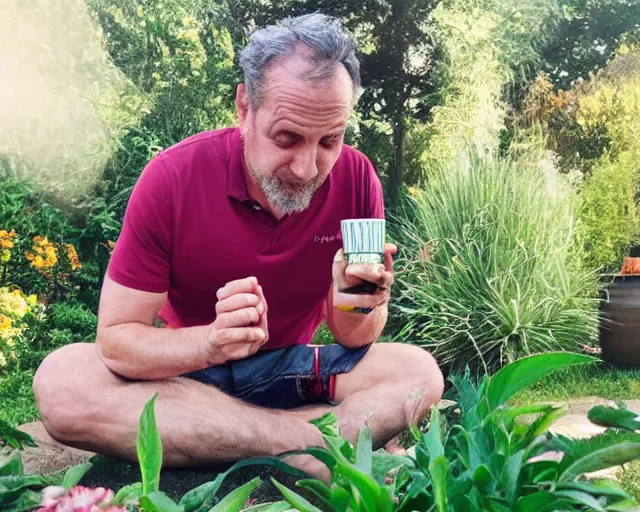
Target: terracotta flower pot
(620, 321)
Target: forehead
(289, 97)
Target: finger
(350, 300)
(263, 324)
(386, 281)
(365, 271)
(246, 285)
(238, 301)
(239, 351)
(389, 251)
(239, 318)
(239, 336)
(339, 264)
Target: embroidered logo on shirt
(328, 238)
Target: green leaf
(602, 459)
(340, 499)
(540, 426)
(629, 505)
(10, 463)
(235, 500)
(74, 474)
(384, 463)
(363, 486)
(518, 375)
(438, 472)
(533, 502)
(149, 448)
(320, 489)
(482, 477)
(596, 487)
(13, 485)
(279, 506)
(273, 462)
(15, 438)
(129, 494)
(581, 497)
(364, 460)
(327, 424)
(614, 418)
(512, 413)
(202, 496)
(322, 454)
(511, 475)
(433, 438)
(158, 501)
(295, 499)
(27, 502)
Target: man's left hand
(346, 276)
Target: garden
(507, 138)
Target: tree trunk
(395, 176)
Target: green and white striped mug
(363, 240)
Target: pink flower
(78, 499)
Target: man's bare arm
(130, 346)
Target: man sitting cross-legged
(232, 237)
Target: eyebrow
(290, 127)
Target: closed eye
(286, 139)
(330, 140)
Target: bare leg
(85, 405)
(394, 385)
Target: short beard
(285, 197)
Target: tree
(587, 37)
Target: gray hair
(320, 34)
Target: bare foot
(310, 465)
(394, 447)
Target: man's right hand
(240, 327)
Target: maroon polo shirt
(190, 227)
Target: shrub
(608, 211)
(74, 317)
(594, 129)
(490, 269)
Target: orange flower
(73, 257)
(631, 265)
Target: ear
(242, 103)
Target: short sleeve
(141, 258)
(374, 193)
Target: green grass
(602, 380)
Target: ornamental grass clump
(491, 269)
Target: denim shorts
(284, 378)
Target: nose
(304, 166)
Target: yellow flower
(5, 323)
(5, 239)
(44, 254)
(3, 361)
